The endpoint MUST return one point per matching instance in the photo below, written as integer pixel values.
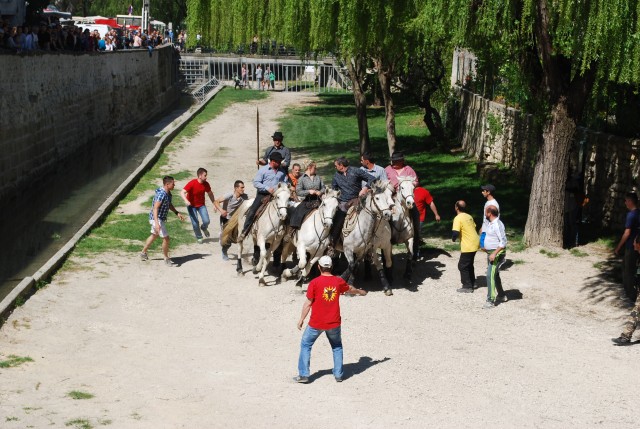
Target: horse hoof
(261, 282)
(254, 261)
(239, 273)
(388, 292)
(299, 283)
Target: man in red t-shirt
(323, 299)
(193, 196)
(423, 198)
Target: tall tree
(566, 49)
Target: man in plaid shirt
(158, 217)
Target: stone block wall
(52, 104)
(495, 133)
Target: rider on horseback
(266, 181)
(352, 182)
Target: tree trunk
(385, 77)
(357, 72)
(433, 121)
(546, 203)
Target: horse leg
(388, 265)
(264, 258)
(408, 270)
(239, 269)
(381, 273)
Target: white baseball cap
(325, 262)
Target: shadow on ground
(350, 369)
(607, 284)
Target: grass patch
(105, 422)
(608, 242)
(519, 261)
(601, 265)
(578, 253)
(549, 253)
(11, 419)
(79, 424)
(13, 361)
(76, 394)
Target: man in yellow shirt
(465, 228)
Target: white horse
(401, 222)
(267, 230)
(312, 239)
(382, 240)
(376, 208)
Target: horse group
(379, 219)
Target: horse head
(281, 196)
(405, 190)
(329, 206)
(382, 198)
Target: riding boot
(336, 231)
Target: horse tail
(230, 231)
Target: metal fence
(289, 74)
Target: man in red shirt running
(193, 196)
(323, 299)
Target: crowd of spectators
(56, 37)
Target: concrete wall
(54, 104)
(496, 134)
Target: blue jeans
(193, 215)
(309, 337)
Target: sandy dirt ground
(195, 346)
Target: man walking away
(634, 318)
(230, 203)
(323, 300)
(193, 196)
(495, 244)
(465, 228)
(160, 207)
(631, 225)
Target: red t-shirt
(325, 293)
(195, 192)
(423, 199)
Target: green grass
(329, 129)
(11, 419)
(578, 253)
(519, 261)
(76, 394)
(14, 361)
(79, 424)
(600, 265)
(549, 253)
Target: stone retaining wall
(496, 134)
(54, 104)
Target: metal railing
(291, 75)
(200, 92)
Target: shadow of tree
(350, 369)
(607, 284)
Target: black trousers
(251, 213)
(415, 218)
(465, 266)
(336, 228)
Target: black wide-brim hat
(397, 156)
(277, 136)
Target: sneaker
(200, 241)
(300, 379)
(206, 233)
(144, 256)
(502, 298)
(621, 341)
(169, 262)
(339, 379)
(489, 304)
(465, 290)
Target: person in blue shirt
(265, 182)
(631, 225)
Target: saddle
(351, 218)
(263, 207)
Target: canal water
(44, 216)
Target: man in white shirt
(495, 244)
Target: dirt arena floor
(196, 346)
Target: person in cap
(487, 192)
(278, 147)
(323, 300)
(399, 168)
(265, 182)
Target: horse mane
(380, 186)
(229, 233)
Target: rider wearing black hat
(277, 147)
